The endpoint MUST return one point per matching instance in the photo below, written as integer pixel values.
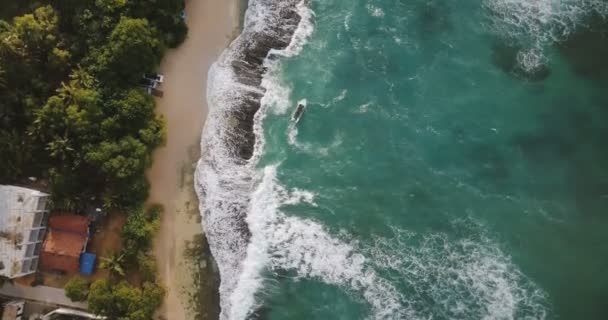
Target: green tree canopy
(35, 35)
(120, 160)
(114, 263)
(123, 301)
(110, 6)
(77, 289)
(101, 298)
(133, 49)
(71, 109)
(138, 232)
(72, 114)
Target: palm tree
(113, 263)
(80, 78)
(66, 92)
(60, 148)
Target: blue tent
(87, 263)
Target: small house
(66, 240)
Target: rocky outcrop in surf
(247, 63)
(224, 173)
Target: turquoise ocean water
(451, 163)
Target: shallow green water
(473, 191)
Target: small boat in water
(297, 115)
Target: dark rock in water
(587, 49)
(539, 74)
(249, 68)
(504, 56)
(237, 95)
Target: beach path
(211, 23)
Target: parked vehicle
(154, 77)
(71, 314)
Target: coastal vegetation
(132, 290)
(138, 298)
(72, 111)
(77, 289)
(74, 114)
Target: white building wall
(23, 218)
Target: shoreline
(224, 174)
(184, 263)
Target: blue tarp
(87, 263)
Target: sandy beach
(183, 265)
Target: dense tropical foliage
(71, 108)
(73, 113)
(123, 301)
(77, 289)
(115, 297)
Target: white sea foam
(311, 148)
(235, 196)
(289, 243)
(536, 24)
(363, 108)
(302, 33)
(375, 11)
(278, 95)
(223, 179)
(340, 97)
(467, 278)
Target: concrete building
(23, 219)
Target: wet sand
(212, 24)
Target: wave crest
(224, 172)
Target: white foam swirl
(536, 24)
(467, 278)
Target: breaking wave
(248, 233)
(469, 278)
(282, 242)
(535, 25)
(224, 175)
